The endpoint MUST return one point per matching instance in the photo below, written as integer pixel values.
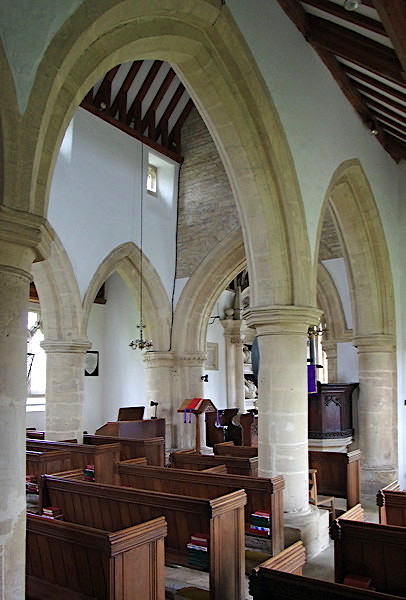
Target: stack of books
(198, 550)
(88, 473)
(31, 484)
(52, 512)
(260, 523)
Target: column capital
(232, 330)
(66, 346)
(20, 228)
(379, 342)
(282, 320)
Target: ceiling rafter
(370, 74)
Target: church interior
(203, 379)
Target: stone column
(377, 416)
(171, 378)
(21, 238)
(234, 364)
(330, 348)
(282, 398)
(65, 388)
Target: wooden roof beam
(355, 48)
(120, 101)
(375, 83)
(102, 98)
(393, 16)
(350, 16)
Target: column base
(330, 445)
(312, 528)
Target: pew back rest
(391, 502)
(38, 463)
(262, 493)
(152, 448)
(271, 584)
(197, 462)
(66, 558)
(371, 550)
(338, 474)
(229, 449)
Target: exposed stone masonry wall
(207, 210)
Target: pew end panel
(76, 562)
(338, 474)
(391, 501)
(153, 448)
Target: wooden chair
(319, 501)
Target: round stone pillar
(171, 378)
(282, 398)
(22, 240)
(377, 415)
(65, 388)
(234, 364)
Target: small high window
(152, 179)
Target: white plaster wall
(93, 411)
(122, 376)
(347, 363)
(95, 199)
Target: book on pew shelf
(200, 539)
(262, 531)
(88, 473)
(52, 512)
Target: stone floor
(319, 567)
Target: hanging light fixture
(141, 343)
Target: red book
(194, 403)
(200, 539)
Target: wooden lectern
(196, 406)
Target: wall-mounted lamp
(351, 5)
(205, 378)
(373, 129)
(152, 403)
(212, 319)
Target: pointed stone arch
(203, 289)
(126, 261)
(362, 236)
(231, 97)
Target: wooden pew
(189, 459)
(391, 501)
(67, 561)
(113, 507)
(144, 428)
(270, 584)
(152, 448)
(338, 474)
(39, 463)
(262, 494)
(372, 551)
(34, 434)
(229, 449)
(103, 457)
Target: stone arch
(126, 261)
(360, 230)
(202, 290)
(59, 295)
(230, 95)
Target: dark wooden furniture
(34, 434)
(262, 494)
(67, 561)
(221, 428)
(330, 411)
(113, 507)
(131, 413)
(230, 449)
(270, 584)
(103, 457)
(39, 463)
(189, 459)
(338, 474)
(391, 501)
(145, 428)
(152, 448)
(370, 550)
(290, 560)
